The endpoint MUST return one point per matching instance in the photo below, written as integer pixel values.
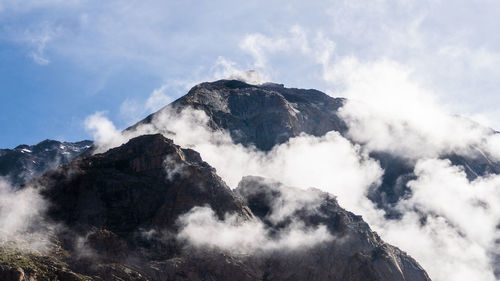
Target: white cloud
(21, 218)
(201, 228)
(227, 69)
(158, 99)
(458, 239)
(18, 208)
(391, 59)
(38, 38)
(283, 201)
(103, 130)
(330, 163)
(388, 111)
(333, 164)
(442, 251)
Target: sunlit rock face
(262, 115)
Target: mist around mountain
(218, 185)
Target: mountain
(270, 114)
(254, 115)
(263, 115)
(26, 162)
(151, 210)
(129, 214)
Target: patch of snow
(24, 150)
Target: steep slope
(26, 162)
(118, 215)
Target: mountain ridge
(121, 209)
(103, 201)
(25, 162)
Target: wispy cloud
(201, 228)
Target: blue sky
(62, 61)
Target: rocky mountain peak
(145, 183)
(261, 115)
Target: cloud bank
(202, 228)
(448, 224)
(22, 224)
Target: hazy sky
(63, 60)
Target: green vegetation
(16, 258)
(43, 267)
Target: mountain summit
(261, 115)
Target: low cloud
(174, 167)
(227, 69)
(201, 228)
(388, 111)
(21, 218)
(18, 208)
(330, 163)
(448, 224)
(103, 131)
(283, 201)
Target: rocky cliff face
(118, 217)
(146, 183)
(26, 162)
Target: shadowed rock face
(26, 162)
(118, 220)
(145, 183)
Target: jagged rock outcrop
(117, 219)
(26, 162)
